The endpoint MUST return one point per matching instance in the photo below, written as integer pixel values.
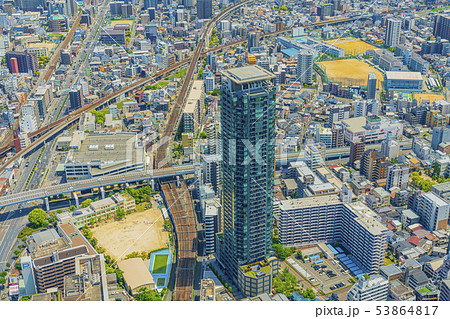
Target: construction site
(179, 204)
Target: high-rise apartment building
(397, 176)
(392, 36)
(371, 85)
(433, 211)
(26, 62)
(442, 26)
(390, 148)
(374, 165)
(304, 66)
(75, 97)
(248, 131)
(440, 135)
(315, 155)
(326, 219)
(252, 40)
(356, 150)
(204, 9)
(338, 113)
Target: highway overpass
(76, 186)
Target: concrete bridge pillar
(152, 184)
(77, 202)
(102, 192)
(47, 204)
(126, 185)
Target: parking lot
(324, 281)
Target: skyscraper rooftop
(248, 74)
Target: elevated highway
(132, 177)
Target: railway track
(182, 215)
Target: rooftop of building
(435, 199)
(109, 150)
(135, 273)
(390, 270)
(443, 187)
(355, 124)
(398, 75)
(248, 74)
(70, 243)
(427, 289)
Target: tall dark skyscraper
(26, 62)
(75, 97)
(204, 9)
(252, 40)
(248, 134)
(371, 85)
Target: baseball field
(352, 46)
(350, 72)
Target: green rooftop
(424, 290)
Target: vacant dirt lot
(352, 46)
(139, 231)
(429, 97)
(350, 72)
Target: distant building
(392, 36)
(304, 66)
(252, 40)
(407, 81)
(75, 97)
(390, 148)
(136, 275)
(57, 23)
(338, 113)
(440, 135)
(315, 155)
(204, 9)
(356, 151)
(371, 85)
(397, 176)
(26, 62)
(442, 26)
(375, 288)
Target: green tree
(146, 294)
(86, 203)
(59, 211)
(3, 274)
(72, 208)
(8, 264)
(299, 254)
(37, 217)
(216, 92)
(120, 213)
(2, 281)
(202, 135)
(309, 293)
(16, 252)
